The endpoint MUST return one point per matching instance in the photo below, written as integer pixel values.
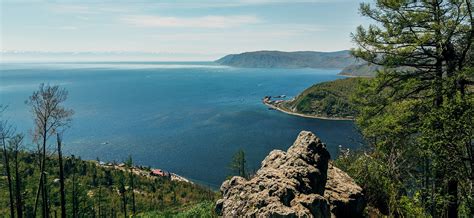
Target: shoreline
(305, 115)
(141, 171)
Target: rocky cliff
(299, 182)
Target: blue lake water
(188, 118)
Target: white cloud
(199, 22)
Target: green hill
(328, 99)
(298, 59)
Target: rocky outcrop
(299, 182)
(344, 195)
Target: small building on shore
(159, 172)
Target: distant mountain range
(300, 59)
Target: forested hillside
(104, 190)
(328, 99)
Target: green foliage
(376, 177)
(203, 209)
(329, 99)
(410, 152)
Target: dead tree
(61, 178)
(15, 145)
(5, 133)
(50, 117)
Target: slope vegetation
(105, 190)
(328, 99)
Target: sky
(183, 29)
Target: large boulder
(292, 183)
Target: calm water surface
(188, 118)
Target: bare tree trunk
(124, 199)
(123, 192)
(100, 199)
(9, 178)
(38, 192)
(19, 203)
(74, 191)
(453, 198)
(61, 178)
(46, 203)
(50, 116)
(426, 185)
(134, 211)
(41, 183)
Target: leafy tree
(418, 112)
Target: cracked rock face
(293, 183)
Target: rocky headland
(327, 100)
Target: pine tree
(239, 164)
(422, 102)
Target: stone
(344, 195)
(298, 183)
